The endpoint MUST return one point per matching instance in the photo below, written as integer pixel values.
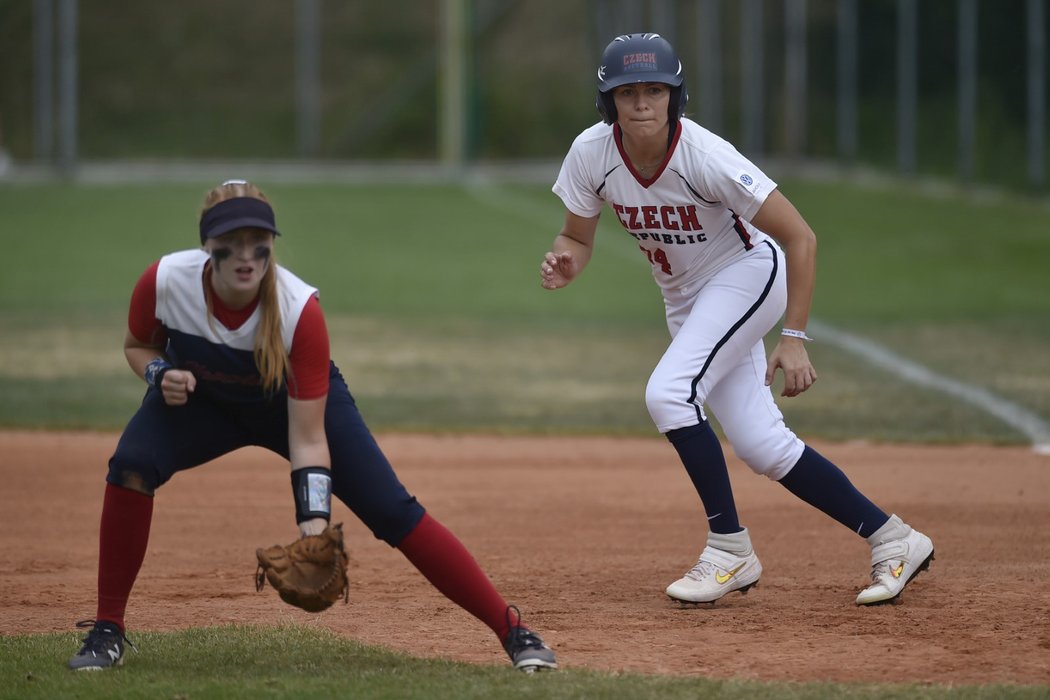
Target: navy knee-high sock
(821, 484)
(701, 453)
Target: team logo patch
(746, 179)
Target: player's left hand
(790, 355)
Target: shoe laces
(701, 571)
(520, 637)
(879, 570)
(97, 636)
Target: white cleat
(898, 554)
(718, 570)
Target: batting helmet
(640, 58)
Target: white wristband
(791, 333)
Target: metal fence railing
(953, 88)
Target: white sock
(738, 543)
(894, 529)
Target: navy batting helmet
(640, 58)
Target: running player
(234, 350)
(732, 256)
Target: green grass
(898, 255)
(438, 320)
(299, 662)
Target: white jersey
(222, 359)
(691, 218)
(182, 306)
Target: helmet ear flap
(606, 106)
(679, 99)
(680, 96)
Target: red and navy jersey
(690, 218)
(169, 309)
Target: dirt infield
(583, 534)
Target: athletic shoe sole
(711, 603)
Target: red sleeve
(310, 354)
(142, 316)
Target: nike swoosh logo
(722, 578)
(898, 571)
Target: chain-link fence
(950, 88)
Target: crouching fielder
(234, 350)
(732, 256)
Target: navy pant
(161, 440)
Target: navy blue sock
(701, 453)
(821, 484)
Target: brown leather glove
(309, 573)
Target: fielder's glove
(309, 573)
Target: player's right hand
(177, 386)
(557, 270)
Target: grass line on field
(1017, 417)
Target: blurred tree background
(216, 79)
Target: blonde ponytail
(270, 355)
